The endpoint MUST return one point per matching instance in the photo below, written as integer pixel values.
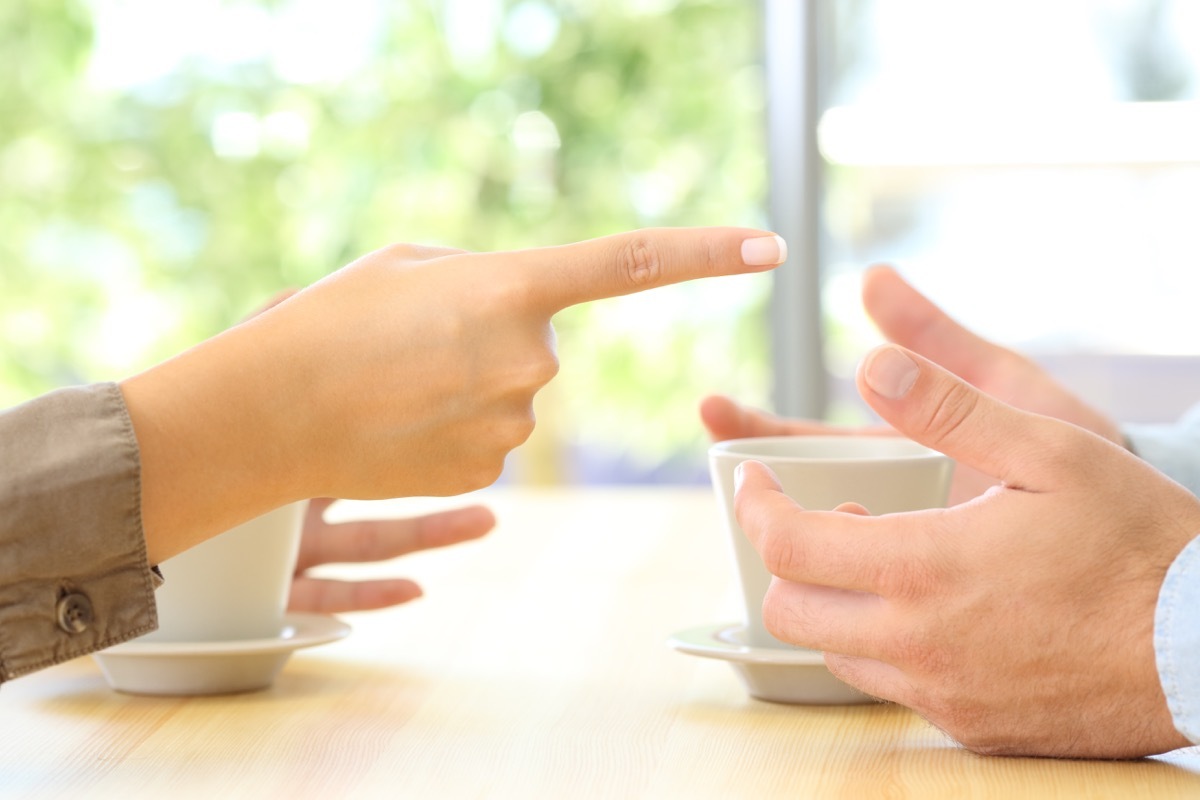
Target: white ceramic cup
(234, 586)
(885, 474)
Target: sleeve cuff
(1177, 640)
(75, 576)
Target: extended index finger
(624, 263)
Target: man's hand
(1020, 622)
(907, 318)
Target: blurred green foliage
(139, 215)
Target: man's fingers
(874, 678)
(379, 540)
(825, 618)
(940, 410)
(624, 263)
(760, 498)
(909, 319)
(323, 596)
(828, 548)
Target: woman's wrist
(214, 443)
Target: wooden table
(535, 667)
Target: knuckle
(500, 295)
(368, 539)
(542, 369)
(785, 618)
(845, 668)
(520, 430)
(1073, 452)
(714, 255)
(551, 367)
(953, 408)
(508, 430)
(484, 474)
(640, 262)
(896, 580)
(919, 653)
(778, 548)
(966, 724)
(453, 328)
(399, 251)
(922, 573)
(777, 613)
(852, 670)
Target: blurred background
(168, 166)
(1034, 167)
(165, 167)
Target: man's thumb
(940, 410)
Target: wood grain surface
(534, 667)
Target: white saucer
(193, 668)
(778, 674)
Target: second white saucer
(196, 668)
(778, 674)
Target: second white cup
(234, 586)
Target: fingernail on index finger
(764, 251)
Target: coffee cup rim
(898, 448)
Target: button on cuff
(75, 613)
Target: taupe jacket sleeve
(73, 571)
